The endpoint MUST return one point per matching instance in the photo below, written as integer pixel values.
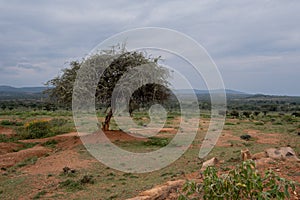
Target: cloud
(258, 36)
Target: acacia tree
(61, 87)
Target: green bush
(27, 161)
(10, 123)
(4, 138)
(243, 182)
(156, 141)
(58, 122)
(259, 123)
(41, 128)
(36, 129)
(71, 185)
(50, 143)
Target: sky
(254, 43)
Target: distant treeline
(258, 103)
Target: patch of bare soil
(55, 162)
(6, 131)
(265, 138)
(225, 138)
(10, 159)
(63, 155)
(9, 147)
(262, 138)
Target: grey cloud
(241, 36)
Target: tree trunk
(105, 124)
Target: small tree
(61, 87)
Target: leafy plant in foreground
(243, 182)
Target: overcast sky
(255, 43)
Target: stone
(209, 163)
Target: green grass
(5, 138)
(25, 145)
(27, 161)
(44, 128)
(50, 143)
(10, 123)
(40, 194)
(156, 141)
(113, 184)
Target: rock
(160, 192)
(282, 153)
(245, 137)
(245, 155)
(259, 155)
(68, 170)
(209, 163)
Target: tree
(121, 62)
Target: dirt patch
(265, 138)
(7, 147)
(10, 159)
(225, 138)
(7, 131)
(261, 138)
(55, 162)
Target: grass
(42, 128)
(72, 185)
(25, 145)
(40, 194)
(156, 141)
(10, 123)
(50, 143)
(113, 184)
(27, 161)
(5, 138)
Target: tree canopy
(120, 63)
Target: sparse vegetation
(156, 141)
(27, 161)
(117, 185)
(41, 128)
(243, 182)
(50, 143)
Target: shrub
(4, 138)
(43, 128)
(259, 123)
(58, 122)
(156, 141)
(50, 143)
(243, 182)
(10, 123)
(71, 185)
(35, 129)
(27, 161)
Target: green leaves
(243, 182)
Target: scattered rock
(160, 192)
(209, 163)
(245, 137)
(87, 179)
(282, 153)
(68, 170)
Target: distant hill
(190, 91)
(5, 88)
(12, 93)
